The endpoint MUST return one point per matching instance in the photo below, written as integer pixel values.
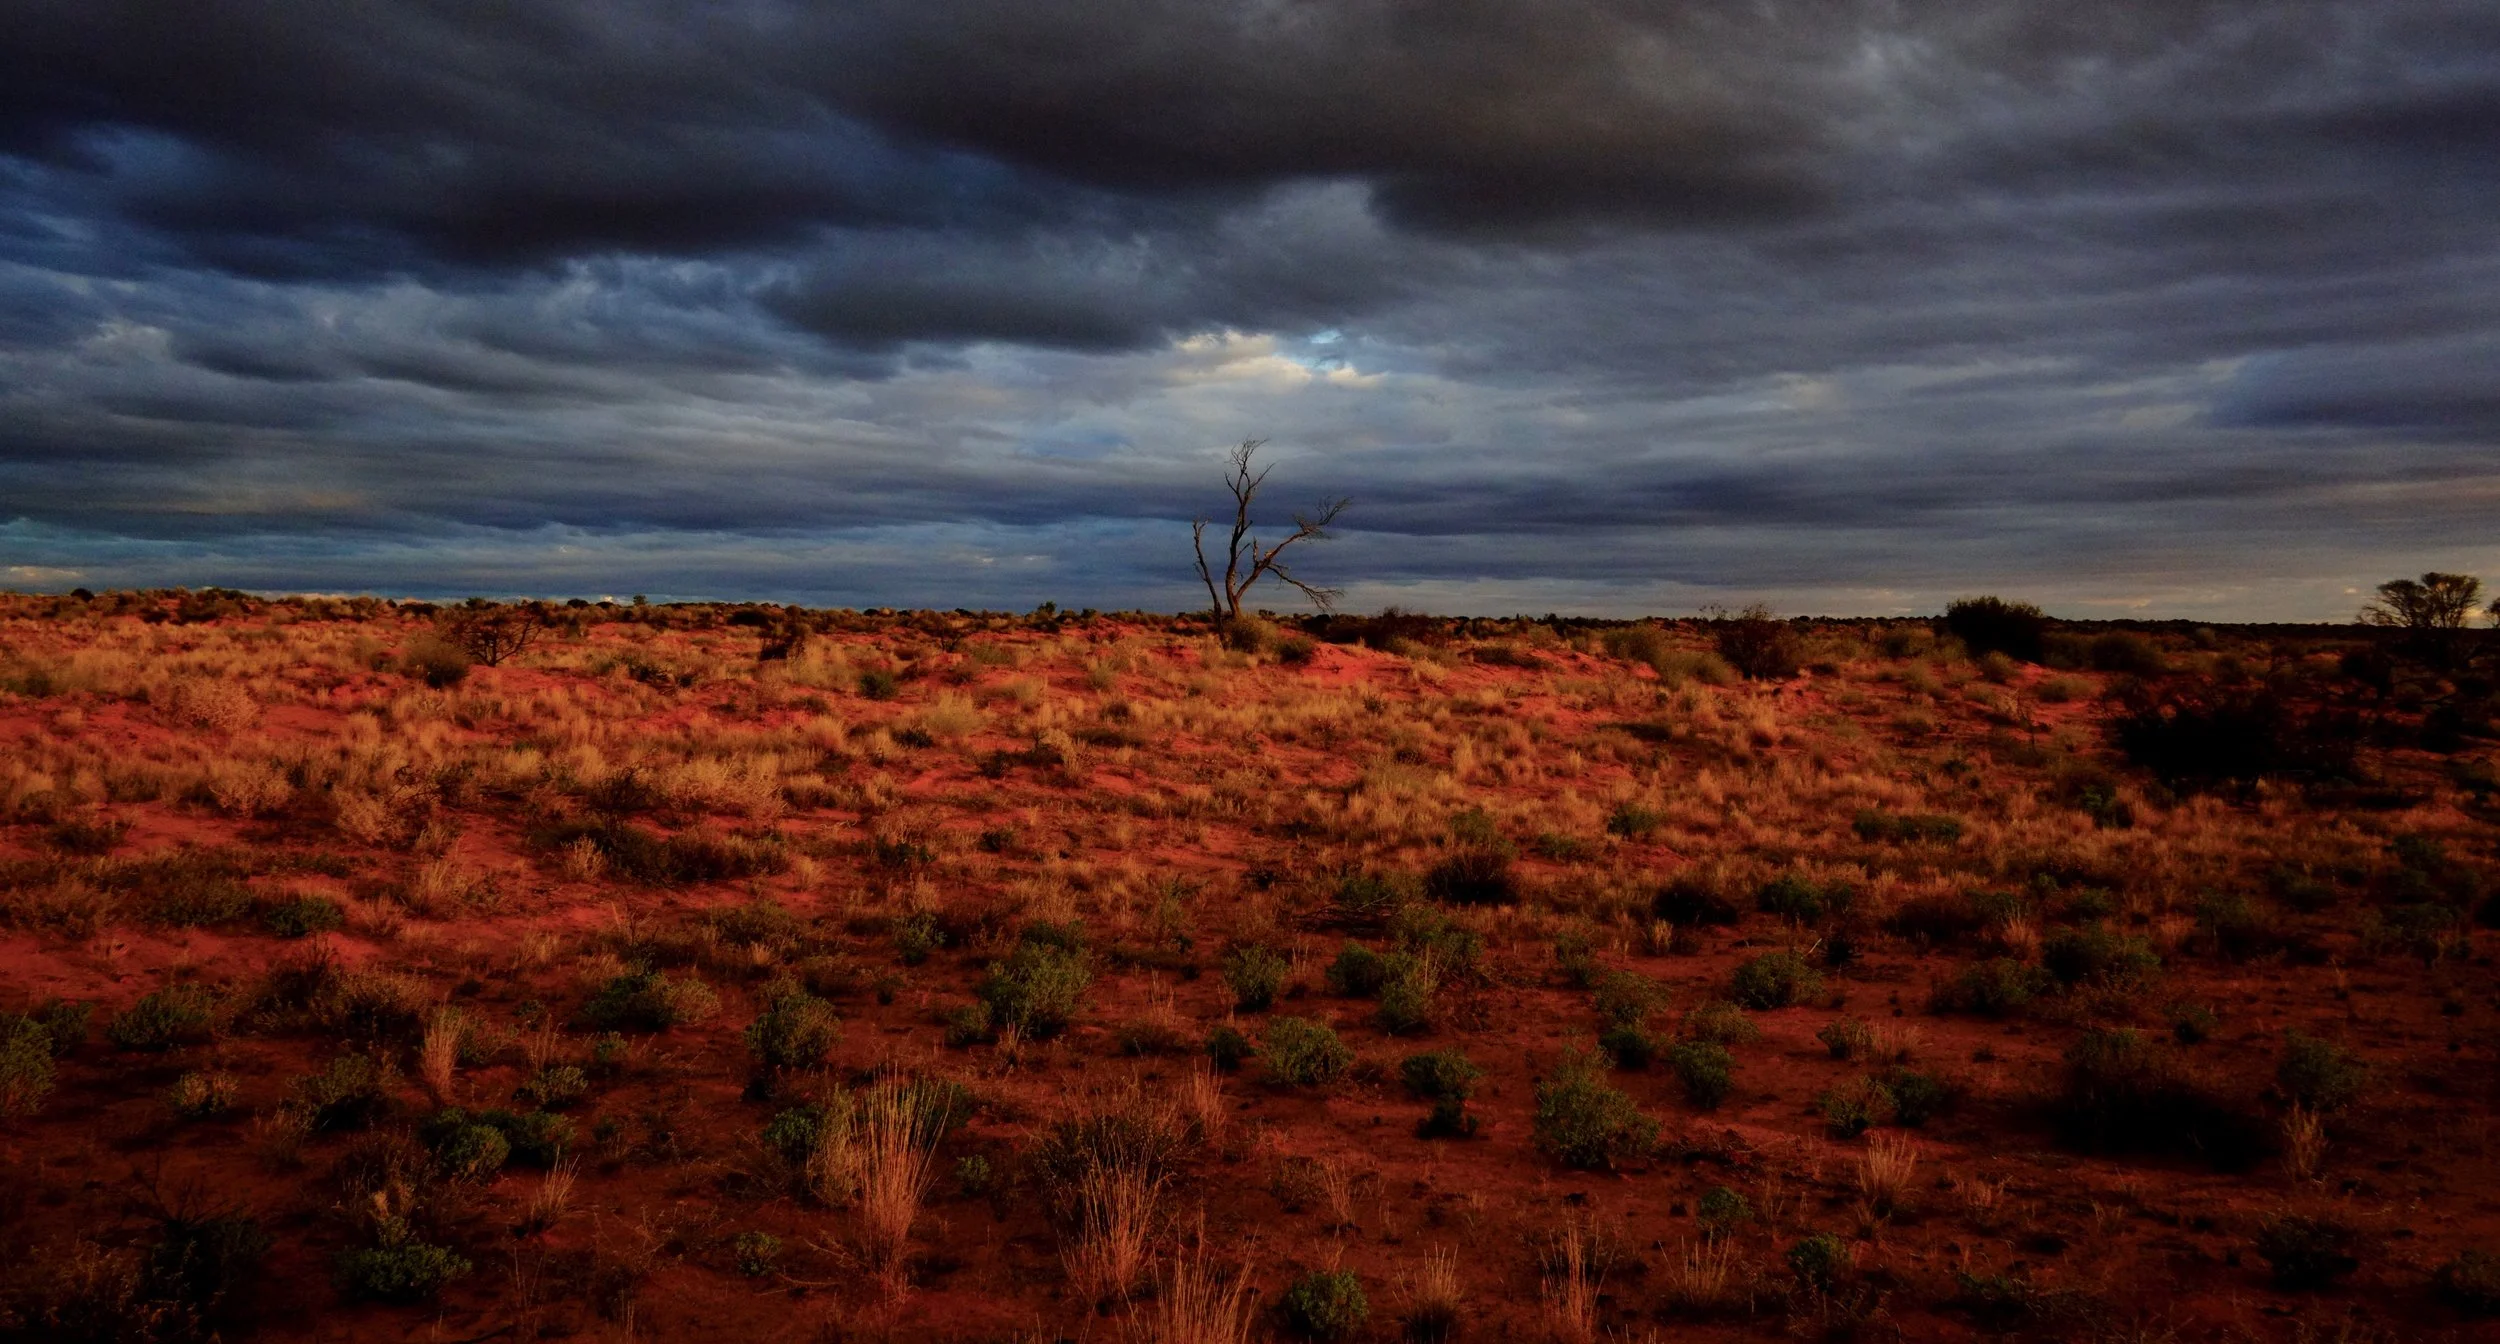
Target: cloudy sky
(2163, 308)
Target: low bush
(1993, 625)
(2304, 1253)
(400, 1269)
(2202, 734)
(1229, 1048)
(1581, 1121)
(1691, 902)
(1255, 973)
(203, 1094)
(1325, 1304)
(1706, 1070)
(1759, 646)
(351, 1092)
(1628, 998)
(1774, 980)
(1991, 988)
(2319, 1075)
(647, 1000)
(1720, 1211)
(1899, 828)
(2093, 954)
(1720, 1023)
(1819, 1261)
(1358, 972)
(304, 916)
(1476, 875)
(1304, 1052)
(1847, 1038)
(1795, 897)
(1036, 988)
(26, 1072)
(554, 1087)
(2123, 1092)
(2470, 1282)
(796, 1030)
(176, 1015)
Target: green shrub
(465, 1150)
(26, 1070)
(199, 1095)
(967, 1025)
(1473, 876)
(755, 1253)
(2471, 1282)
(205, 1262)
(534, 1138)
(1720, 1023)
(1358, 972)
(1690, 902)
(303, 916)
(2304, 1253)
(1304, 1052)
(1575, 955)
(1325, 1304)
(1629, 1047)
(1818, 1261)
(2319, 1074)
(1036, 988)
(2122, 1092)
(1633, 821)
(554, 1087)
(180, 1014)
(1424, 931)
(1229, 1048)
(436, 661)
(1706, 1070)
(1721, 1211)
(1993, 625)
(1255, 973)
(795, 1031)
(2093, 954)
(795, 1131)
(1900, 828)
(2192, 1023)
(1854, 1107)
(1628, 998)
(1916, 1097)
(1409, 1001)
(1991, 988)
(1367, 898)
(647, 1000)
(351, 1092)
(1793, 896)
(1774, 980)
(1440, 1075)
(401, 1269)
(1582, 1122)
(1847, 1038)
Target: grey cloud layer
(1622, 304)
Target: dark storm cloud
(1619, 303)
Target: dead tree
(1246, 562)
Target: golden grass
(1118, 1209)
(898, 1133)
(1197, 1304)
(1571, 1285)
(438, 1053)
(1885, 1168)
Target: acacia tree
(1246, 562)
(2434, 604)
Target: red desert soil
(262, 810)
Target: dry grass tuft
(1197, 1305)
(898, 1132)
(438, 1054)
(1885, 1169)
(1118, 1207)
(1436, 1298)
(1571, 1285)
(2304, 1143)
(1703, 1278)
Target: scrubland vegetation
(379, 971)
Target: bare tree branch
(1246, 562)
